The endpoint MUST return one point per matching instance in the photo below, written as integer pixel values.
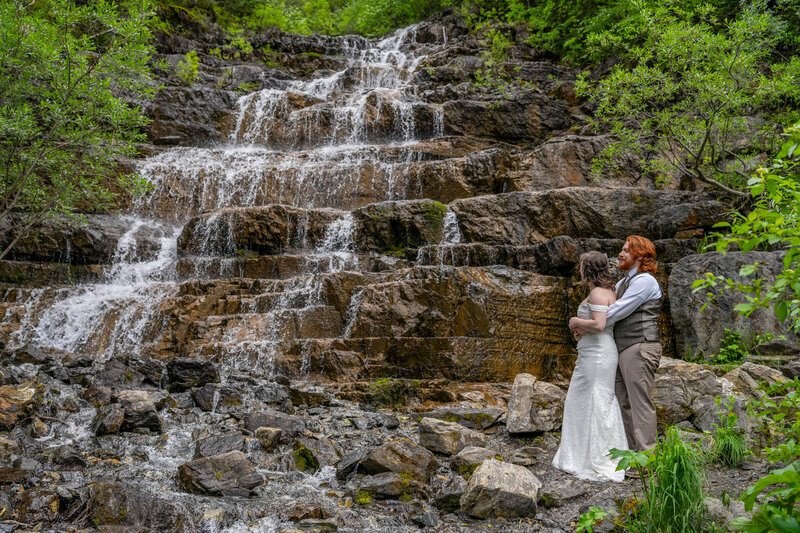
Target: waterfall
(343, 140)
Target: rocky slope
(336, 224)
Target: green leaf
(748, 270)
(781, 310)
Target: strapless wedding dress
(592, 419)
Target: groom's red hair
(643, 250)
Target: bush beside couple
(610, 402)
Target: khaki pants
(634, 388)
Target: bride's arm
(598, 321)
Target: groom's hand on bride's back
(577, 332)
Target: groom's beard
(623, 265)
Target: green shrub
(187, 69)
(731, 350)
(672, 491)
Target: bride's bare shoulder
(602, 296)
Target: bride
(592, 418)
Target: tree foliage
(63, 121)
(680, 101)
(773, 223)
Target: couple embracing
(610, 403)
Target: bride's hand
(573, 324)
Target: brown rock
(18, 402)
(400, 456)
(227, 474)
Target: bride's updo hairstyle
(594, 270)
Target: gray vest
(639, 326)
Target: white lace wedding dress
(592, 419)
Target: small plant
(363, 497)
(590, 519)
(728, 446)
(731, 350)
(238, 47)
(187, 69)
(779, 510)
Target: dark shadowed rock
(349, 463)
(204, 396)
(109, 419)
(118, 376)
(291, 425)
(228, 474)
(471, 417)
(186, 372)
(118, 504)
(446, 492)
(219, 444)
(152, 369)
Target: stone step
(36, 274)
(459, 358)
(516, 219)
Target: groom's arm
(641, 290)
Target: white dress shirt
(640, 290)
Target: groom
(635, 319)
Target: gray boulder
(140, 411)
(467, 460)
(447, 437)
(501, 490)
(702, 332)
(534, 406)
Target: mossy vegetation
(304, 459)
(363, 497)
(392, 392)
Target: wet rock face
(227, 474)
(185, 373)
(94, 241)
(190, 115)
